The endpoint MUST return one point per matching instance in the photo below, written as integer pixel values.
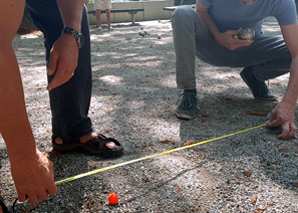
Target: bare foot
(85, 139)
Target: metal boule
(246, 34)
(141, 33)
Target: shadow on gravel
(248, 151)
(164, 183)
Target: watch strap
(74, 33)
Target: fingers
(275, 120)
(63, 61)
(285, 132)
(235, 32)
(38, 183)
(286, 121)
(52, 190)
(42, 195)
(237, 43)
(275, 123)
(62, 76)
(32, 198)
(289, 131)
(246, 42)
(52, 64)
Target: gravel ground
(134, 97)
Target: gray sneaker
(187, 109)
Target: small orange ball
(113, 198)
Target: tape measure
(154, 155)
(146, 157)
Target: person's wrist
(74, 33)
(23, 155)
(289, 98)
(216, 35)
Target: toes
(111, 145)
(58, 141)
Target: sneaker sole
(274, 98)
(185, 116)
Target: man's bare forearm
(14, 124)
(208, 20)
(292, 89)
(71, 13)
(289, 33)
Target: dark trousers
(70, 101)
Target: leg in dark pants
(70, 101)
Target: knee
(182, 11)
(182, 14)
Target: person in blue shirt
(208, 32)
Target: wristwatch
(76, 34)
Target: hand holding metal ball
(245, 34)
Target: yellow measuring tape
(154, 155)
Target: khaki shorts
(102, 4)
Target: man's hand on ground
(33, 177)
(227, 40)
(283, 115)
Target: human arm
(226, 38)
(31, 170)
(283, 113)
(65, 51)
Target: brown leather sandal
(97, 145)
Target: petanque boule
(142, 34)
(141, 27)
(158, 36)
(246, 34)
